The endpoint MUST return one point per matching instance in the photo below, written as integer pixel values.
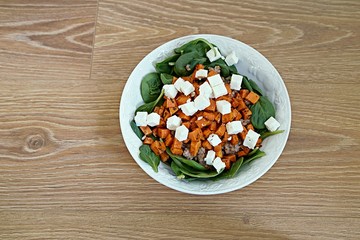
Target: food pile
(201, 117)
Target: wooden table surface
(65, 172)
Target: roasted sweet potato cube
(252, 97)
(206, 144)
(194, 147)
(187, 124)
(212, 73)
(227, 163)
(181, 99)
(209, 115)
(218, 117)
(219, 153)
(234, 139)
(158, 147)
(156, 110)
(182, 115)
(226, 98)
(169, 140)
(250, 126)
(225, 137)
(236, 114)
(170, 103)
(195, 135)
(258, 143)
(212, 106)
(244, 93)
(148, 140)
(220, 131)
(146, 130)
(207, 132)
(203, 122)
(164, 156)
(174, 79)
(173, 110)
(241, 105)
(213, 126)
(177, 143)
(228, 88)
(231, 157)
(243, 134)
(176, 151)
(163, 132)
(166, 114)
(188, 78)
(217, 148)
(241, 153)
(227, 117)
(246, 113)
(234, 102)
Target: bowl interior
(252, 64)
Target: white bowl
(251, 64)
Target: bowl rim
(150, 172)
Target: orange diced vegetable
(231, 157)
(170, 103)
(252, 97)
(218, 117)
(206, 144)
(227, 118)
(163, 132)
(246, 113)
(244, 93)
(207, 132)
(209, 115)
(166, 115)
(146, 130)
(234, 139)
(258, 143)
(158, 147)
(217, 148)
(177, 143)
(227, 85)
(164, 156)
(243, 134)
(212, 73)
(237, 116)
(176, 151)
(194, 147)
(148, 140)
(241, 105)
(169, 140)
(182, 115)
(227, 163)
(174, 79)
(203, 122)
(226, 98)
(250, 126)
(213, 126)
(234, 102)
(196, 135)
(225, 137)
(221, 130)
(212, 106)
(181, 99)
(219, 153)
(187, 124)
(173, 110)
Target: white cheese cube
(251, 139)
(188, 109)
(214, 140)
(181, 133)
(205, 89)
(201, 102)
(219, 90)
(234, 127)
(223, 106)
(178, 83)
(215, 80)
(170, 91)
(235, 82)
(218, 164)
(210, 156)
(272, 124)
(173, 122)
(153, 119)
(140, 119)
(201, 73)
(187, 88)
(231, 59)
(213, 55)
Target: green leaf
(166, 66)
(136, 130)
(258, 154)
(147, 155)
(235, 167)
(149, 107)
(194, 173)
(175, 168)
(150, 87)
(261, 111)
(166, 78)
(268, 134)
(246, 84)
(225, 69)
(255, 87)
(191, 163)
(199, 45)
(191, 59)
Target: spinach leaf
(268, 134)
(147, 155)
(255, 87)
(225, 69)
(191, 163)
(256, 155)
(232, 171)
(149, 107)
(246, 84)
(166, 66)
(166, 78)
(193, 173)
(261, 111)
(191, 59)
(136, 129)
(199, 45)
(175, 168)
(150, 87)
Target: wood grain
(65, 172)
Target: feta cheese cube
(272, 124)
(215, 80)
(173, 122)
(220, 90)
(235, 82)
(210, 156)
(170, 91)
(140, 119)
(213, 55)
(251, 139)
(188, 108)
(205, 89)
(153, 119)
(201, 73)
(178, 83)
(214, 140)
(181, 133)
(201, 102)
(218, 164)
(223, 106)
(231, 59)
(234, 127)
(187, 88)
